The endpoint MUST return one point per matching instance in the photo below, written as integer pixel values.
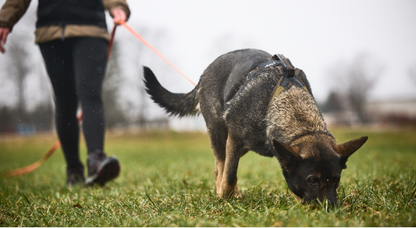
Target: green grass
(167, 179)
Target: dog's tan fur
(293, 113)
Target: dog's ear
(348, 148)
(287, 155)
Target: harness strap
(284, 84)
(285, 68)
(288, 65)
(273, 62)
(276, 61)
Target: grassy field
(167, 179)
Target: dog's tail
(175, 104)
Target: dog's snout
(328, 194)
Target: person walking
(73, 39)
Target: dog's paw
(236, 192)
(229, 192)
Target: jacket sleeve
(112, 4)
(12, 11)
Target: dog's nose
(327, 183)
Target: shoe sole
(108, 170)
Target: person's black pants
(76, 68)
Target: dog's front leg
(219, 171)
(229, 185)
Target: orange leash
(138, 36)
(32, 167)
(110, 43)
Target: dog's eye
(313, 180)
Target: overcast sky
(315, 35)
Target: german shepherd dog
(252, 101)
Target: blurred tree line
(26, 78)
(21, 110)
(351, 84)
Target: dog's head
(312, 166)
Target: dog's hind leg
(229, 186)
(218, 136)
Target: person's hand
(4, 32)
(119, 16)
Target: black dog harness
(285, 68)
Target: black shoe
(75, 175)
(101, 169)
